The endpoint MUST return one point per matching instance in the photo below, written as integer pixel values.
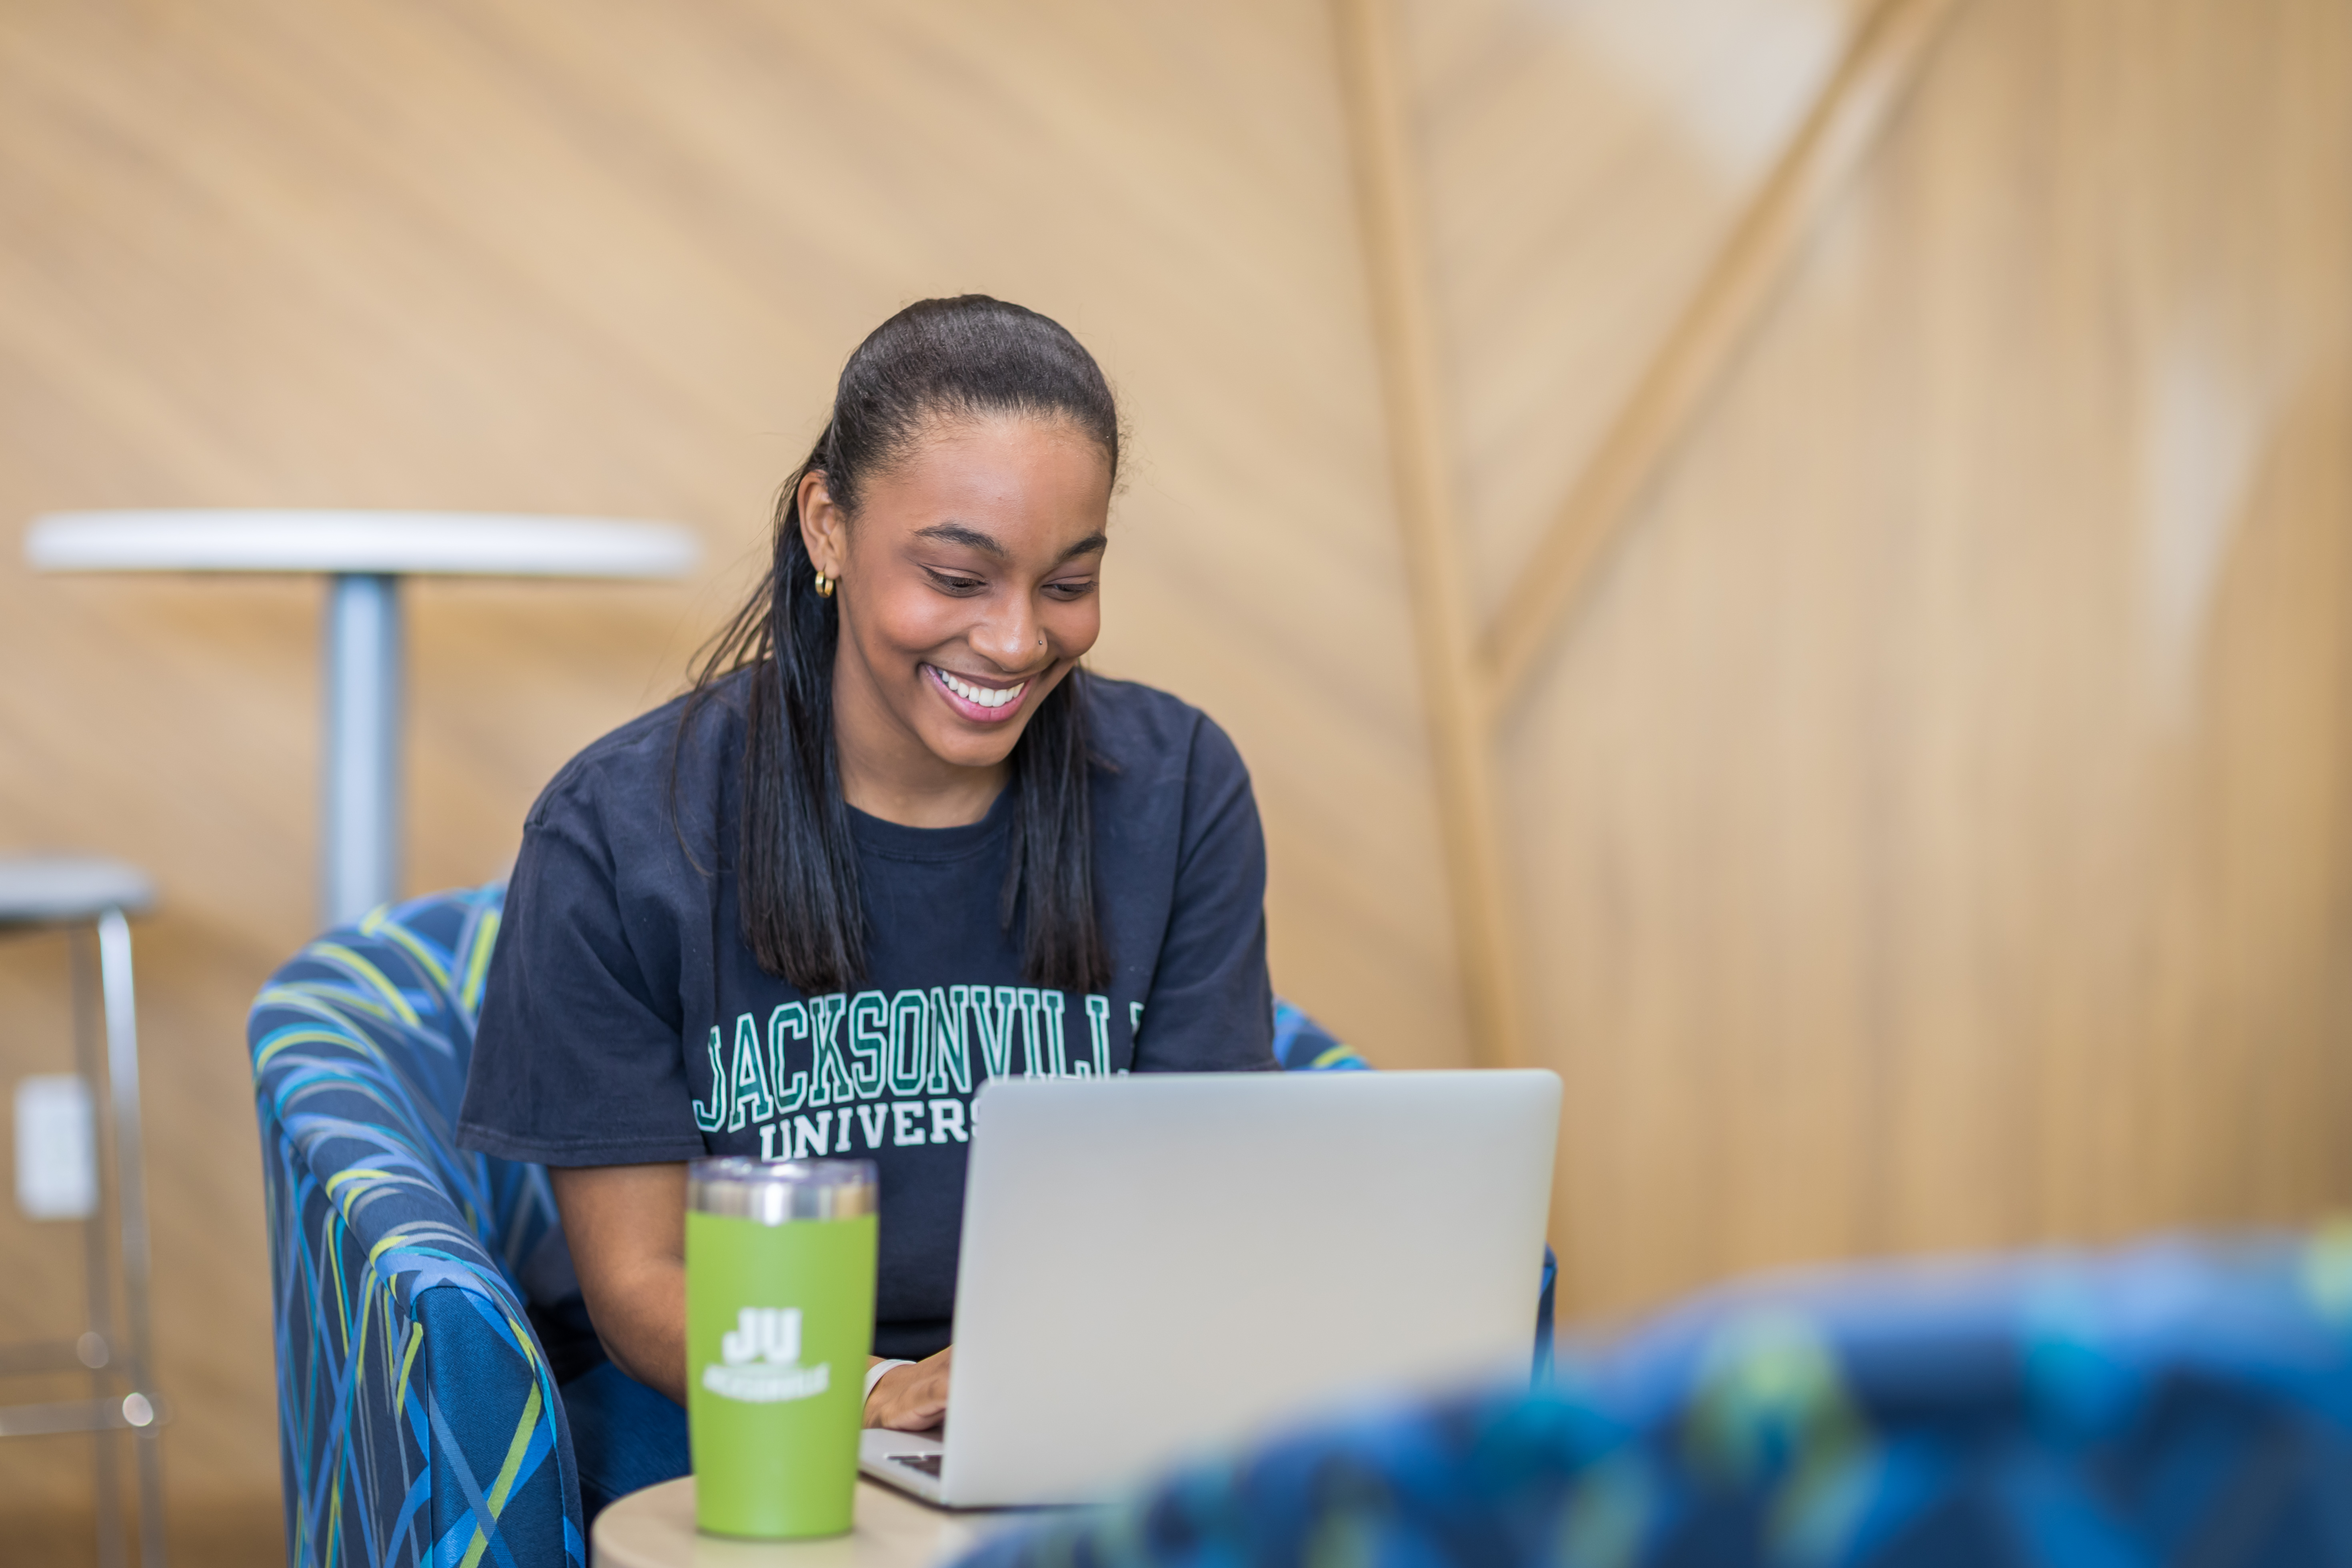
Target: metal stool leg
(96, 1349)
(139, 1406)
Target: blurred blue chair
(2183, 1403)
(419, 1418)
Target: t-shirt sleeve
(1211, 1006)
(577, 1058)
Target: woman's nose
(1011, 634)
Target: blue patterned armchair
(419, 1419)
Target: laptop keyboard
(927, 1464)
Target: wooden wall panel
(1938, 820)
(607, 258)
(1582, 164)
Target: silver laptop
(1156, 1264)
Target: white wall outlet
(57, 1148)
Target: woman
(894, 842)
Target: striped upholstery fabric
(2181, 1403)
(418, 1420)
(1301, 1045)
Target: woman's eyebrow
(962, 533)
(973, 538)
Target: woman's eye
(1077, 590)
(949, 582)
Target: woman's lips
(981, 704)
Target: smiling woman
(894, 842)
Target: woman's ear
(824, 529)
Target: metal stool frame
(123, 1393)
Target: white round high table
(363, 555)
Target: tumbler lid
(735, 1187)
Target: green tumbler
(779, 1314)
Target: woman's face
(969, 589)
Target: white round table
(655, 1528)
(363, 554)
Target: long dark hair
(797, 862)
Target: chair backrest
(361, 1044)
(1302, 1044)
(419, 1415)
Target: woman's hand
(911, 1398)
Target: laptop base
(909, 1461)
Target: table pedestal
(360, 775)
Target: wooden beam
(1838, 131)
(1390, 206)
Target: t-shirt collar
(900, 842)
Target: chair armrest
(417, 1413)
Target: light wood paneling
(1471, 679)
(1453, 689)
(1940, 815)
(1889, 47)
(1585, 165)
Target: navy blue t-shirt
(625, 1021)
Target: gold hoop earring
(824, 586)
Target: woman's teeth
(984, 696)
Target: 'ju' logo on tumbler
(760, 1360)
